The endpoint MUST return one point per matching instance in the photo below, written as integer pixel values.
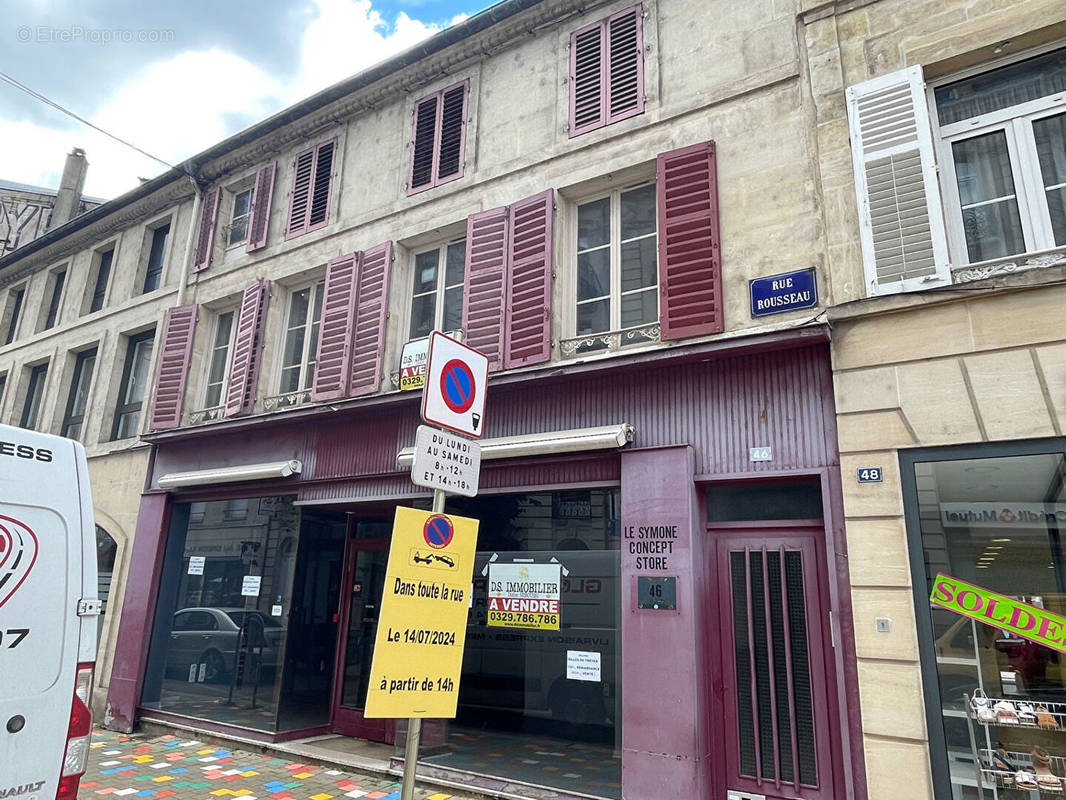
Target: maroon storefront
(705, 642)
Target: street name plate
(446, 461)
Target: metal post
(414, 726)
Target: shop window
(437, 294)
(1003, 134)
(78, 398)
(617, 269)
(517, 694)
(135, 373)
(995, 523)
(301, 338)
(241, 637)
(106, 551)
(800, 499)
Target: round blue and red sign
(438, 531)
(457, 386)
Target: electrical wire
(38, 96)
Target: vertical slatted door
(625, 64)
(485, 287)
(529, 287)
(333, 354)
(247, 350)
(179, 326)
(776, 715)
(368, 322)
(452, 149)
(299, 200)
(205, 238)
(262, 195)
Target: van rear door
(47, 571)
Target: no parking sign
(456, 380)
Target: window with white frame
(1003, 156)
(301, 338)
(218, 359)
(238, 226)
(617, 271)
(437, 293)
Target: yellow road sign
(418, 651)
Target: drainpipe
(190, 249)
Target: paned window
(78, 399)
(242, 207)
(103, 275)
(438, 140)
(617, 271)
(154, 269)
(437, 297)
(1003, 138)
(135, 374)
(301, 338)
(31, 408)
(218, 359)
(13, 312)
(312, 178)
(55, 299)
(607, 71)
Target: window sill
(1005, 266)
(609, 341)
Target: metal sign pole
(414, 725)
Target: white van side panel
(47, 564)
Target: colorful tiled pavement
(185, 769)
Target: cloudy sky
(173, 78)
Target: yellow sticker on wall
(418, 650)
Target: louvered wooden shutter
(247, 350)
(318, 214)
(901, 222)
(485, 290)
(303, 171)
(368, 327)
(625, 64)
(259, 217)
(422, 143)
(205, 240)
(179, 326)
(587, 90)
(529, 282)
(333, 357)
(452, 133)
(690, 252)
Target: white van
(48, 603)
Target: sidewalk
(167, 766)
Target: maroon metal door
(360, 605)
(776, 665)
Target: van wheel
(577, 705)
(214, 667)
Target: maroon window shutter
(205, 240)
(423, 144)
(333, 356)
(625, 64)
(247, 350)
(259, 217)
(690, 253)
(368, 328)
(485, 290)
(587, 88)
(303, 170)
(318, 213)
(529, 286)
(452, 150)
(179, 325)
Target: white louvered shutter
(901, 221)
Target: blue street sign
(788, 291)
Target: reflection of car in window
(205, 643)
